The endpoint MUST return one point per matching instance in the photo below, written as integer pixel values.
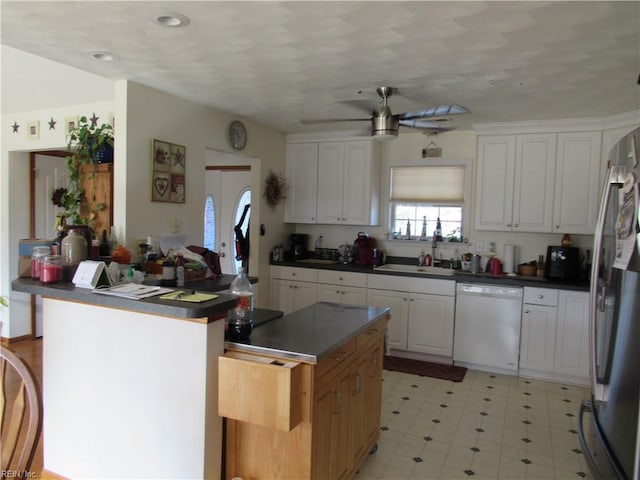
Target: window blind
(437, 184)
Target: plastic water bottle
(239, 319)
(180, 270)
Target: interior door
(48, 173)
(226, 186)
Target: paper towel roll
(509, 259)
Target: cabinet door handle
(358, 383)
(541, 296)
(527, 312)
(372, 331)
(556, 227)
(340, 278)
(404, 299)
(338, 403)
(515, 225)
(338, 292)
(338, 219)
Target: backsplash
(528, 246)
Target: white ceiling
(279, 62)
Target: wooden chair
(19, 435)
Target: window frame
(433, 162)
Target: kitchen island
(302, 396)
(130, 386)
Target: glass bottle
(240, 322)
(74, 248)
(438, 232)
(180, 270)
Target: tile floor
(488, 426)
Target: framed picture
(33, 130)
(168, 166)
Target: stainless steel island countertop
(311, 333)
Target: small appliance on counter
(364, 247)
(299, 243)
(563, 263)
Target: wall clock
(237, 135)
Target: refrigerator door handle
(615, 176)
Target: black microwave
(563, 263)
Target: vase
(74, 248)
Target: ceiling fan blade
(435, 111)
(311, 121)
(418, 123)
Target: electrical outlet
(492, 247)
(479, 246)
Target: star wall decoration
(52, 124)
(15, 127)
(94, 120)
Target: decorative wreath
(275, 188)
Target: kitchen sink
(396, 267)
(318, 261)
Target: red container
(364, 246)
(51, 269)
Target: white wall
(154, 114)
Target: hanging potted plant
(87, 144)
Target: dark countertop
(458, 276)
(213, 309)
(311, 333)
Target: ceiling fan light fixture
(384, 128)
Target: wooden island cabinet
(332, 404)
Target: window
(245, 199)
(209, 224)
(421, 195)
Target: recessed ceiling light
(172, 20)
(104, 56)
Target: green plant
(85, 143)
(4, 301)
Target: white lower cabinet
(293, 288)
(342, 287)
(398, 304)
(420, 322)
(554, 342)
(572, 340)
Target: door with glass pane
(227, 192)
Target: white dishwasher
(487, 326)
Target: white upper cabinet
(577, 183)
(538, 182)
(302, 179)
(533, 185)
(515, 182)
(347, 182)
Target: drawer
(371, 336)
(412, 284)
(347, 279)
(541, 296)
(340, 356)
(293, 273)
(260, 390)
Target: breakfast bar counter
(130, 387)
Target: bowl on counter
(527, 270)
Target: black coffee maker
(299, 242)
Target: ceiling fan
(385, 125)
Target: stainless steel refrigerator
(609, 422)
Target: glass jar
(74, 248)
(37, 255)
(51, 269)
